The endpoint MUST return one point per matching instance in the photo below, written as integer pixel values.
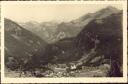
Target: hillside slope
(72, 28)
(99, 41)
(20, 43)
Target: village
(71, 70)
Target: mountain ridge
(20, 43)
(75, 26)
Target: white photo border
(67, 79)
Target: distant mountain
(31, 26)
(20, 43)
(71, 29)
(53, 31)
(44, 30)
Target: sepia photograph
(63, 40)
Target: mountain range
(92, 36)
(53, 31)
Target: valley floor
(100, 71)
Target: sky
(50, 12)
